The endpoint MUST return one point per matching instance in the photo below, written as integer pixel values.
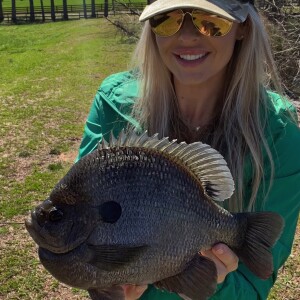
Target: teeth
(191, 57)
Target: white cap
(235, 10)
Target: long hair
(240, 128)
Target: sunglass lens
(167, 24)
(211, 25)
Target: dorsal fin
(206, 163)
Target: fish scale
(138, 210)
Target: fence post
(31, 8)
(113, 7)
(93, 8)
(105, 8)
(52, 10)
(65, 10)
(43, 10)
(84, 9)
(13, 11)
(1, 12)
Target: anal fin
(197, 282)
(113, 293)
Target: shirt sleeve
(92, 130)
(110, 111)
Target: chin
(191, 80)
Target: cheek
(226, 44)
(163, 44)
(230, 39)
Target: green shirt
(111, 111)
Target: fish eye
(55, 214)
(110, 211)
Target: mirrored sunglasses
(168, 23)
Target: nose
(188, 31)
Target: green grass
(49, 75)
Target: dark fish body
(138, 211)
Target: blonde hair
(240, 127)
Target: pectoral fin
(113, 293)
(197, 282)
(110, 257)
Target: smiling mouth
(191, 57)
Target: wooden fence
(68, 12)
(71, 12)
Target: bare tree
(284, 28)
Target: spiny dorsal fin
(206, 163)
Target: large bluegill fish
(138, 210)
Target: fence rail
(68, 12)
(71, 12)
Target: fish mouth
(41, 238)
(32, 225)
(35, 230)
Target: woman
(201, 70)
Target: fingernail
(219, 249)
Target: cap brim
(231, 10)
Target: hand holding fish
(225, 259)
(133, 292)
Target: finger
(133, 292)
(226, 256)
(221, 268)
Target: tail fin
(263, 230)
